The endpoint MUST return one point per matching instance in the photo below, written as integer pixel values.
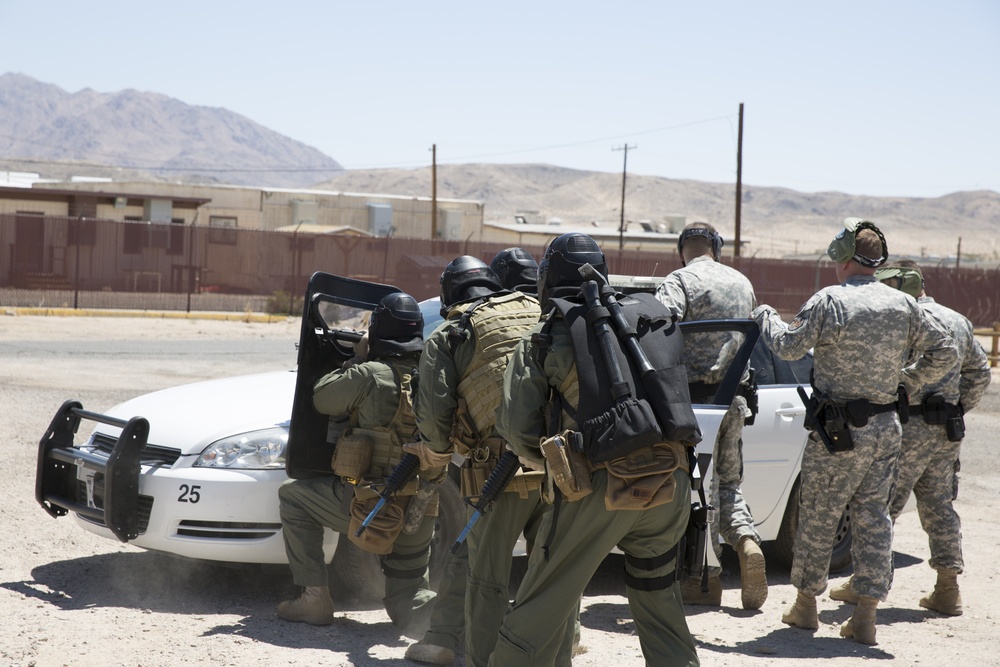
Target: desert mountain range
(132, 135)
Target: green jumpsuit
(368, 393)
(584, 533)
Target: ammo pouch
(567, 465)
(645, 478)
(352, 456)
(629, 425)
(955, 426)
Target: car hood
(192, 416)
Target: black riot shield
(334, 315)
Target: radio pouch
(566, 465)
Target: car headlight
(257, 450)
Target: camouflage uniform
(584, 532)
(491, 542)
(860, 332)
(369, 393)
(928, 460)
(707, 290)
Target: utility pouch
(626, 427)
(352, 456)
(696, 538)
(643, 479)
(935, 410)
(955, 425)
(858, 411)
(835, 421)
(382, 532)
(567, 466)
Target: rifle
(397, 479)
(498, 480)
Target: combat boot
(861, 626)
(844, 592)
(945, 599)
(314, 606)
(430, 654)
(752, 574)
(691, 591)
(802, 614)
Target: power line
(140, 164)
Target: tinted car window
(770, 369)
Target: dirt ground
(70, 598)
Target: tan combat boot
(752, 574)
(314, 606)
(802, 614)
(691, 591)
(430, 654)
(861, 626)
(945, 599)
(844, 592)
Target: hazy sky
(863, 97)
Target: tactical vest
(497, 323)
(666, 388)
(388, 440)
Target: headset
(842, 247)
(911, 281)
(711, 235)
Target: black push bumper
(113, 488)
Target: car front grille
(227, 530)
(144, 506)
(151, 454)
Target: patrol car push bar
(57, 481)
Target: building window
(222, 230)
(136, 234)
(176, 244)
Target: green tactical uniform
(585, 531)
(461, 380)
(369, 394)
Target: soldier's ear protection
(711, 235)
(907, 280)
(842, 247)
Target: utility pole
(434, 192)
(621, 225)
(739, 183)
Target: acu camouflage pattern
(860, 333)
(928, 461)
(708, 290)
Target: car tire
(783, 546)
(358, 574)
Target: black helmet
(396, 326)
(465, 279)
(560, 267)
(516, 269)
